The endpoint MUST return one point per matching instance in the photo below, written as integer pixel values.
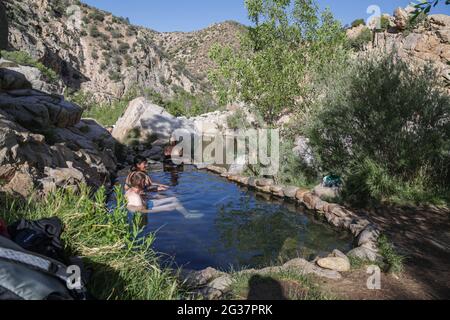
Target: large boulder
(38, 110)
(144, 122)
(33, 75)
(441, 24)
(402, 17)
(13, 80)
(424, 45)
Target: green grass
(123, 269)
(307, 287)
(358, 263)
(394, 261)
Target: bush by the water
(386, 129)
(123, 268)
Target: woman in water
(140, 164)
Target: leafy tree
(425, 6)
(286, 43)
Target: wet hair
(137, 179)
(137, 160)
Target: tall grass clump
(124, 267)
(386, 128)
(393, 260)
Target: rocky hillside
(97, 52)
(191, 49)
(428, 41)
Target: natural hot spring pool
(238, 228)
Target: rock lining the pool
(365, 233)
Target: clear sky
(189, 15)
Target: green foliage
(425, 6)
(358, 263)
(94, 32)
(288, 41)
(385, 23)
(116, 34)
(394, 261)
(107, 114)
(358, 22)
(183, 103)
(124, 268)
(384, 127)
(361, 40)
(25, 59)
(123, 48)
(292, 171)
(238, 120)
(97, 16)
(114, 75)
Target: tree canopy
(287, 42)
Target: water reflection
(239, 228)
(264, 234)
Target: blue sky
(189, 15)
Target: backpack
(25, 275)
(42, 237)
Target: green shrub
(123, 48)
(128, 60)
(358, 22)
(25, 59)
(186, 104)
(94, 32)
(117, 61)
(131, 32)
(114, 75)
(394, 261)
(385, 128)
(107, 114)
(97, 16)
(293, 171)
(116, 34)
(385, 23)
(361, 40)
(238, 120)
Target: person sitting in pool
(140, 164)
(170, 151)
(136, 202)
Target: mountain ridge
(97, 52)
